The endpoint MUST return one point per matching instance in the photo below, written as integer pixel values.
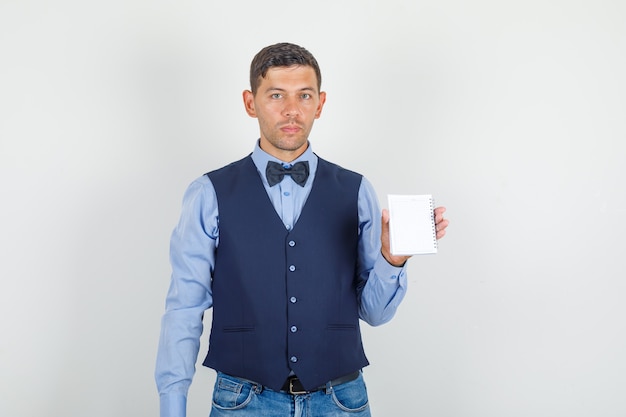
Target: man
(289, 276)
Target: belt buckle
(292, 392)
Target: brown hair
(281, 55)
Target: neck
(285, 155)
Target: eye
(276, 96)
(306, 96)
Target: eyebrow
(282, 89)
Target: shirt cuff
(388, 272)
(173, 404)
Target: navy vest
(286, 300)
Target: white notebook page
(412, 224)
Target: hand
(440, 225)
(440, 222)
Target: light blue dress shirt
(192, 256)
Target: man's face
(286, 103)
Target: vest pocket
(237, 329)
(340, 326)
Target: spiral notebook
(412, 224)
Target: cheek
(269, 113)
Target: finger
(439, 214)
(385, 216)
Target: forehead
(293, 77)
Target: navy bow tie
(275, 172)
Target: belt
(293, 385)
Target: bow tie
(275, 172)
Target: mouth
(290, 128)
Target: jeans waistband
(293, 385)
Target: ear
(248, 102)
(320, 105)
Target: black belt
(293, 385)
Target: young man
(290, 251)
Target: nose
(291, 109)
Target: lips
(290, 128)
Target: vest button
(292, 243)
(292, 268)
(293, 299)
(293, 329)
(293, 359)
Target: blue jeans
(242, 398)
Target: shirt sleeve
(381, 286)
(192, 257)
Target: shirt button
(292, 268)
(293, 329)
(293, 359)
(292, 243)
(288, 227)
(293, 299)
(286, 193)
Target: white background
(511, 113)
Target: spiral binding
(434, 224)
